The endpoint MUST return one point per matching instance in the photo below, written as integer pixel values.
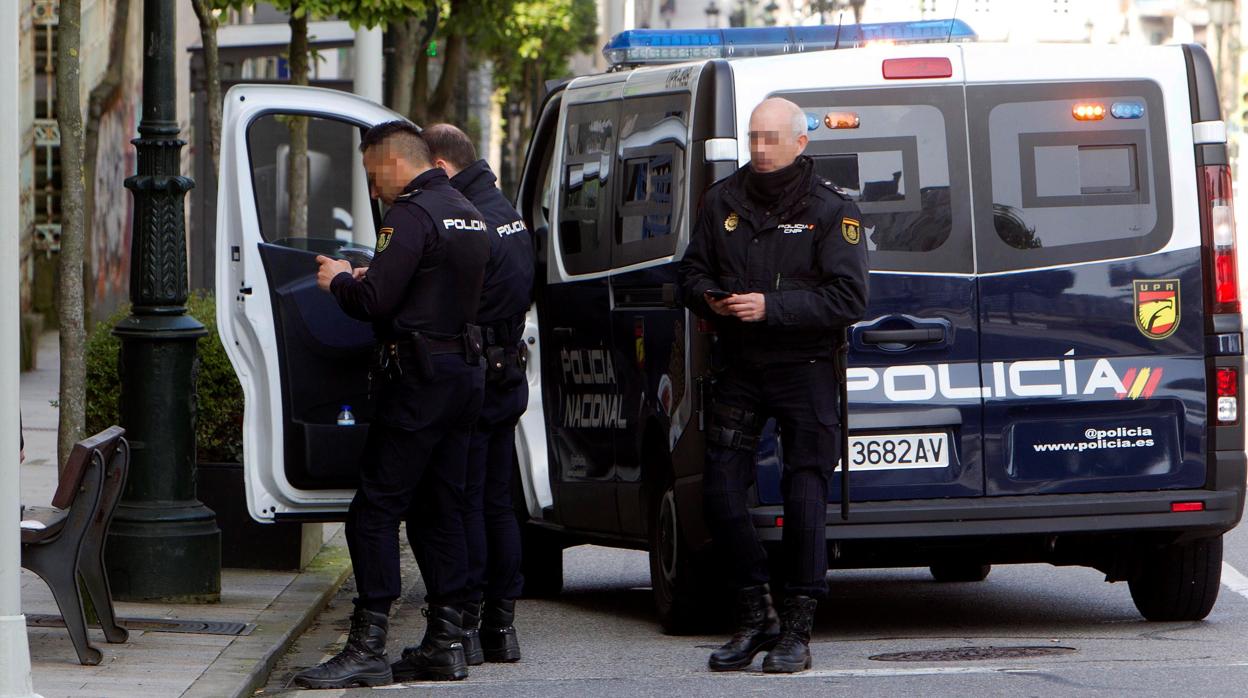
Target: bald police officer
(776, 262)
(491, 527)
(421, 294)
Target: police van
(1048, 371)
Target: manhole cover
(159, 625)
(962, 654)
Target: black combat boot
(498, 635)
(362, 662)
(440, 656)
(758, 628)
(792, 653)
(472, 636)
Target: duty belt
(505, 332)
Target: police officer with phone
(421, 294)
(490, 522)
(777, 263)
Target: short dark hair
(402, 134)
(451, 144)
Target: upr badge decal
(851, 230)
(730, 223)
(1156, 307)
(383, 238)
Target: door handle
(563, 332)
(917, 335)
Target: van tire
(679, 584)
(945, 572)
(1178, 582)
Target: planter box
(245, 543)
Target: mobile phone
(717, 294)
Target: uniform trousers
(414, 468)
(802, 398)
(490, 521)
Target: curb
(245, 665)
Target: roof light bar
(658, 46)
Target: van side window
(652, 201)
(1058, 189)
(585, 206)
(894, 152)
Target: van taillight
(1218, 235)
(1226, 379)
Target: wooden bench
(67, 542)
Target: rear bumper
(990, 517)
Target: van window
(330, 152)
(584, 209)
(653, 201)
(895, 153)
(1059, 190)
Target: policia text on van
(1052, 256)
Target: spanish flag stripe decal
(1127, 380)
(1140, 381)
(1152, 383)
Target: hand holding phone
(717, 294)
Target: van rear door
(1088, 244)
(899, 150)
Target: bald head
(777, 134)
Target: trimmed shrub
(219, 425)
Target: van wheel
(679, 593)
(541, 562)
(1179, 581)
(960, 572)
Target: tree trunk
(406, 49)
(297, 167)
(72, 396)
(212, 77)
(419, 113)
(452, 67)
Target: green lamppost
(163, 544)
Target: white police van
(1049, 370)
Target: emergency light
(658, 46)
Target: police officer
(777, 263)
(491, 527)
(421, 294)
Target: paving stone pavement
(275, 606)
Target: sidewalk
(273, 608)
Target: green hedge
(219, 429)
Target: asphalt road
(599, 638)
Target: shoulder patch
(383, 239)
(851, 230)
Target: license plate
(898, 451)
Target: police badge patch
(1156, 307)
(383, 239)
(730, 223)
(851, 230)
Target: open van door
(300, 359)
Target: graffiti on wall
(113, 208)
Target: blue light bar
(1127, 110)
(657, 46)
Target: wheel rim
(667, 536)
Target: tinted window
(891, 153)
(1060, 190)
(330, 154)
(652, 199)
(590, 137)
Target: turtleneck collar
(765, 189)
